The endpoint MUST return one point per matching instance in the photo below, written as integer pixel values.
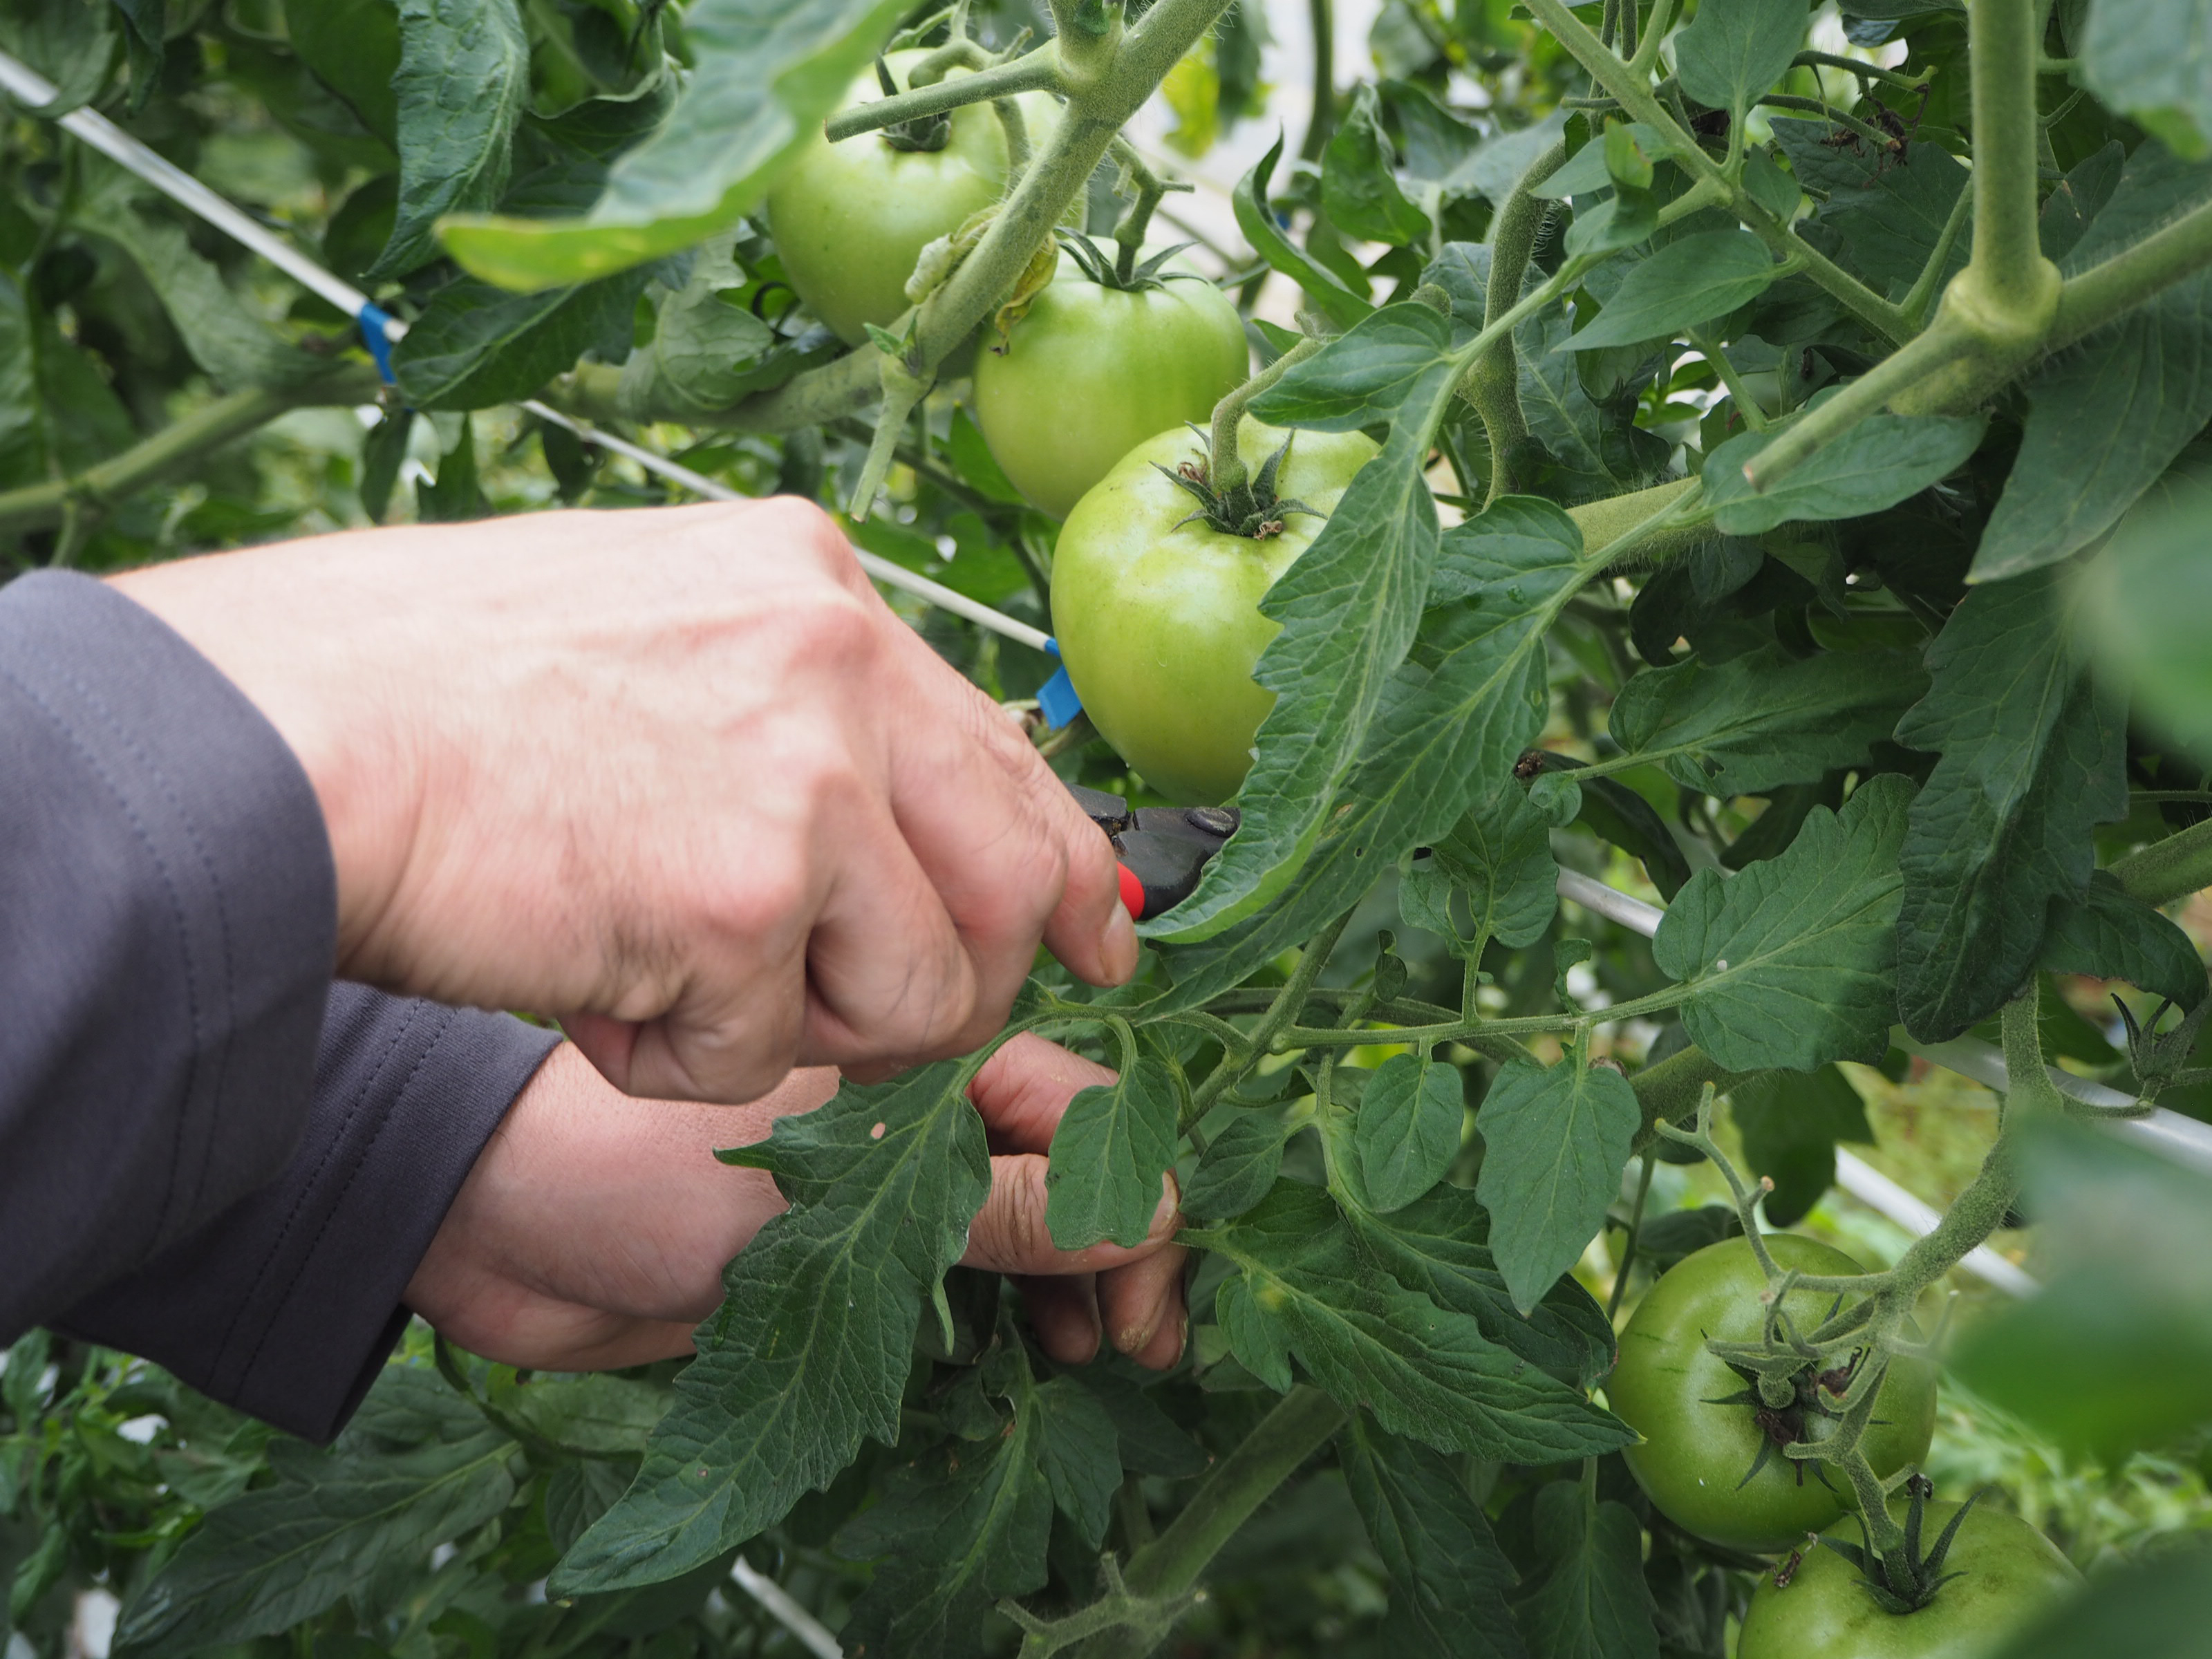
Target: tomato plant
(1156, 607)
(1096, 366)
(1731, 700)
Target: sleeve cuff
(288, 1305)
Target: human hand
(678, 777)
(592, 1231)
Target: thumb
(1009, 1235)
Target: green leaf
(579, 1493)
(1449, 1579)
(2107, 933)
(1790, 1125)
(1620, 220)
(1735, 50)
(1499, 857)
(2138, 605)
(1359, 191)
(1256, 219)
(593, 1416)
(1408, 1130)
(463, 82)
(353, 48)
(383, 453)
(1598, 445)
(2115, 1353)
(1585, 172)
(1685, 282)
(475, 346)
(1150, 1441)
(1555, 1140)
(704, 349)
(2144, 59)
(2107, 416)
(224, 334)
(810, 1352)
(454, 495)
(766, 74)
(1445, 733)
(1891, 217)
(284, 1552)
(57, 414)
(1745, 725)
(1238, 1168)
(1364, 377)
(1349, 608)
(1433, 1246)
(1080, 1452)
(953, 1534)
(1307, 1289)
(71, 42)
(2033, 755)
(1592, 1602)
(1109, 1153)
(1792, 963)
(1876, 464)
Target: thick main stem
(2007, 248)
(1297, 1428)
(1494, 387)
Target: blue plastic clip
(373, 321)
(1057, 699)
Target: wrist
(260, 629)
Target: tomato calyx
(1790, 1420)
(1908, 1579)
(1251, 509)
(1151, 273)
(923, 132)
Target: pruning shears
(1161, 850)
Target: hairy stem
(1927, 284)
(2157, 874)
(1286, 1006)
(1942, 346)
(1225, 467)
(1297, 1428)
(175, 448)
(2002, 38)
(1494, 387)
(1034, 71)
(1630, 85)
(2097, 296)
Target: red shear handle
(1133, 891)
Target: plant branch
(2164, 870)
(1286, 1008)
(1926, 286)
(1630, 85)
(1924, 355)
(176, 448)
(1865, 72)
(2094, 297)
(1289, 1434)
(1321, 15)
(1033, 71)
(1494, 386)
(1225, 468)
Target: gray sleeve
(185, 1171)
(287, 1304)
(171, 917)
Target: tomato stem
(1494, 386)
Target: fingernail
(1117, 946)
(1167, 1218)
(1135, 1339)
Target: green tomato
(850, 219)
(1695, 1453)
(1158, 621)
(1089, 373)
(2008, 1572)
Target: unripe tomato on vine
(1976, 1581)
(1098, 364)
(1155, 590)
(851, 219)
(1711, 1457)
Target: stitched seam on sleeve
(138, 829)
(305, 1256)
(224, 990)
